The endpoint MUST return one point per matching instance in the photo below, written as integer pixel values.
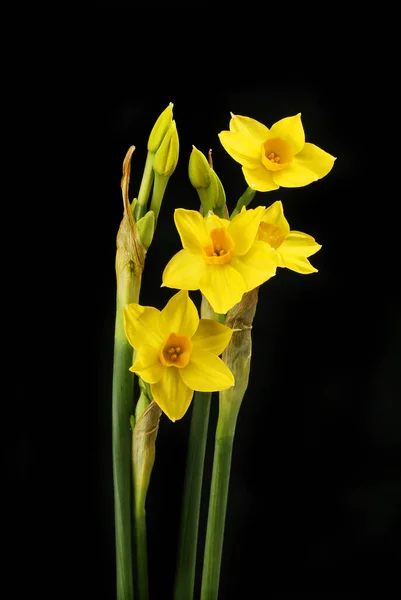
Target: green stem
(188, 537)
(141, 553)
(159, 188)
(143, 457)
(144, 190)
(245, 199)
(237, 356)
(122, 408)
(217, 506)
(185, 574)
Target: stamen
(217, 248)
(273, 157)
(221, 252)
(176, 351)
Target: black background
(315, 490)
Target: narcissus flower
(176, 352)
(221, 258)
(275, 157)
(290, 248)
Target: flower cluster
(176, 352)
(227, 257)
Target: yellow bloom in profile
(176, 352)
(221, 258)
(275, 157)
(290, 248)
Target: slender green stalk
(185, 574)
(122, 408)
(159, 188)
(144, 190)
(143, 458)
(129, 267)
(217, 507)
(244, 200)
(141, 553)
(188, 536)
(237, 357)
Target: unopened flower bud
(198, 169)
(219, 195)
(160, 128)
(146, 228)
(166, 157)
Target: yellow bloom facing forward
(221, 258)
(176, 352)
(275, 157)
(290, 248)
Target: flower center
(274, 157)
(176, 351)
(277, 154)
(271, 234)
(220, 249)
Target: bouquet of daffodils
(165, 360)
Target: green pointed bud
(141, 406)
(160, 128)
(166, 157)
(146, 228)
(198, 169)
(145, 388)
(219, 195)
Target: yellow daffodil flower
(221, 258)
(290, 248)
(275, 157)
(176, 352)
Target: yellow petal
(274, 215)
(299, 244)
(260, 179)
(192, 230)
(215, 222)
(206, 372)
(315, 159)
(241, 148)
(257, 266)
(184, 271)
(142, 325)
(244, 228)
(211, 336)
(179, 315)
(223, 286)
(147, 364)
(171, 394)
(249, 127)
(294, 175)
(297, 263)
(291, 130)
